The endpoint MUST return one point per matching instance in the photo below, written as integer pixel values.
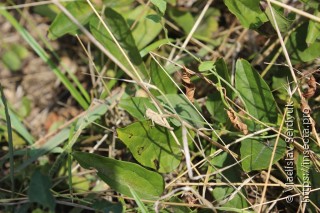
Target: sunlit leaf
(313, 32)
(284, 22)
(122, 176)
(152, 146)
(247, 11)
(63, 25)
(160, 4)
(145, 30)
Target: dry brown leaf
(190, 88)
(237, 123)
(312, 86)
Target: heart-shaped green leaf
(247, 11)
(122, 176)
(256, 94)
(152, 146)
(145, 30)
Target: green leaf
(247, 11)
(209, 24)
(107, 206)
(145, 30)
(284, 23)
(20, 50)
(311, 3)
(122, 33)
(80, 183)
(314, 179)
(154, 17)
(256, 94)
(257, 153)
(154, 46)
(39, 190)
(205, 66)
(160, 4)
(17, 125)
(300, 167)
(152, 146)
(222, 192)
(231, 175)
(140, 204)
(259, 102)
(176, 208)
(183, 108)
(48, 10)
(18, 141)
(214, 103)
(183, 19)
(222, 70)
(313, 32)
(62, 25)
(216, 107)
(137, 106)
(119, 4)
(11, 60)
(298, 48)
(122, 176)
(160, 79)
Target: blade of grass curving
(18, 126)
(140, 204)
(60, 159)
(10, 141)
(88, 117)
(44, 56)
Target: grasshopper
(157, 118)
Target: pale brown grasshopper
(157, 118)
